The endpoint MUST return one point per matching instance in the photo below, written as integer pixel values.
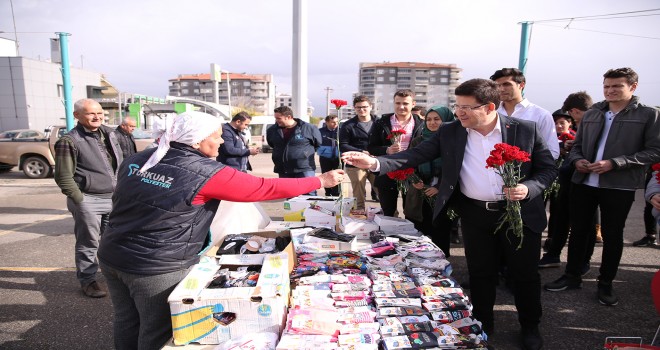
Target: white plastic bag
(235, 218)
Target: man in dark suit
(475, 192)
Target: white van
(258, 127)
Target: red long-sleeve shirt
(232, 185)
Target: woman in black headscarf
(421, 195)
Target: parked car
(143, 139)
(35, 156)
(258, 127)
(21, 134)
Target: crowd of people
(154, 208)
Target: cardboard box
(325, 245)
(257, 259)
(316, 218)
(358, 227)
(258, 309)
(295, 207)
(279, 226)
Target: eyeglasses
(362, 107)
(466, 108)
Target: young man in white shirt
(510, 85)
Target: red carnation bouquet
(395, 135)
(401, 176)
(507, 160)
(656, 167)
(566, 136)
(338, 104)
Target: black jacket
(296, 155)
(378, 142)
(234, 152)
(126, 142)
(154, 228)
(352, 137)
(449, 143)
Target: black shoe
(549, 261)
(546, 244)
(93, 290)
(585, 268)
(453, 237)
(531, 339)
(606, 295)
(647, 240)
(563, 283)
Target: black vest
(94, 171)
(154, 228)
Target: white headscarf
(189, 128)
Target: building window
(368, 71)
(432, 71)
(392, 71)
(422, 78)
(444, 80)
(184, 91)
(403, 86)
(380, 79)
(246, 91)
(234, 83)
(404, 70)
(195, 83)
(404, 78)
(432, 80)
(380, 71)
(444, 72)
(368, 85)
(246, 83)
(196, 91)
(392, 78)
(60, 90)
(368, 78)
(184, 83)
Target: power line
(595, 16)
(602, 32)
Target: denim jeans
(142, 313)
(307, 173)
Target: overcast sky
(140, 44)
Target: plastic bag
(236, 218)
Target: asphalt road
(42, 307)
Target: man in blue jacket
(235, 152)
(294, 143)
(329, 151)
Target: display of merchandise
(251, 244)
(389, 295)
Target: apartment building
(433, 83)
(287, 100)
(250, 91)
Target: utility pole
(328, 90)
(299, 66)
(524, 44)
(66, 79)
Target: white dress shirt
(594, 179)
(528, 111)
(477, 181)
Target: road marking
(14, 230)
(37, 269)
